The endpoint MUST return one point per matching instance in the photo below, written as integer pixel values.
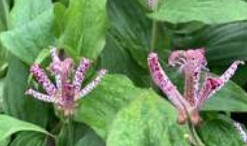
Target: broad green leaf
(177, 135)
(9, 126)
(84, 28)
(130, 28)
(4, 20)
(128, 41)
(99, 108)
(206, 11)
(230, 98)
(123, 62)
(29, 139)
(15, 103)
(32, 23)
(5, 142)
(30, 10)
(219, 131)
(4, 15)
(90, 139)
(59, 10)
(1, 94)
(146, 121)
(116, 93)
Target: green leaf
(4, 22)
(29, 139)
(230, 98)
(99, 108)
(177, 135)
(1, 94)
(85, 28)
(144, 122)
(206, 11)
(123, 62)
(128, 41)
(130, 28)
(217, 131)
(4, 15)
(117, 94)
(9, 126)
(5, 142)
(15, 102)
(59, 11)
(32, 23)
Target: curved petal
(160, 78)
(43, 79)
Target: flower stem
(153, 35)
(195, 138)
(70, 131)
(154, 27)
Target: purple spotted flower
(190, 63)
(67, 89)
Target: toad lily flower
(191, 63)
(66, 92)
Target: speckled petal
(231, 71)
(80, 73)
(40, 96)
(43, 79)
(211, 85)
(86, 90)
(160, 78)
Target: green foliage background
(125, 109)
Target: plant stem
(154, 28)
(153, 35)
(57, 127)
(196, 139)
(70, 131)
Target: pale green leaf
(99, 108)
(15, 103)
(32, 23)
(146, 121)
(84, 28)
(9, 126)
(29, 139)
(207, 11)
